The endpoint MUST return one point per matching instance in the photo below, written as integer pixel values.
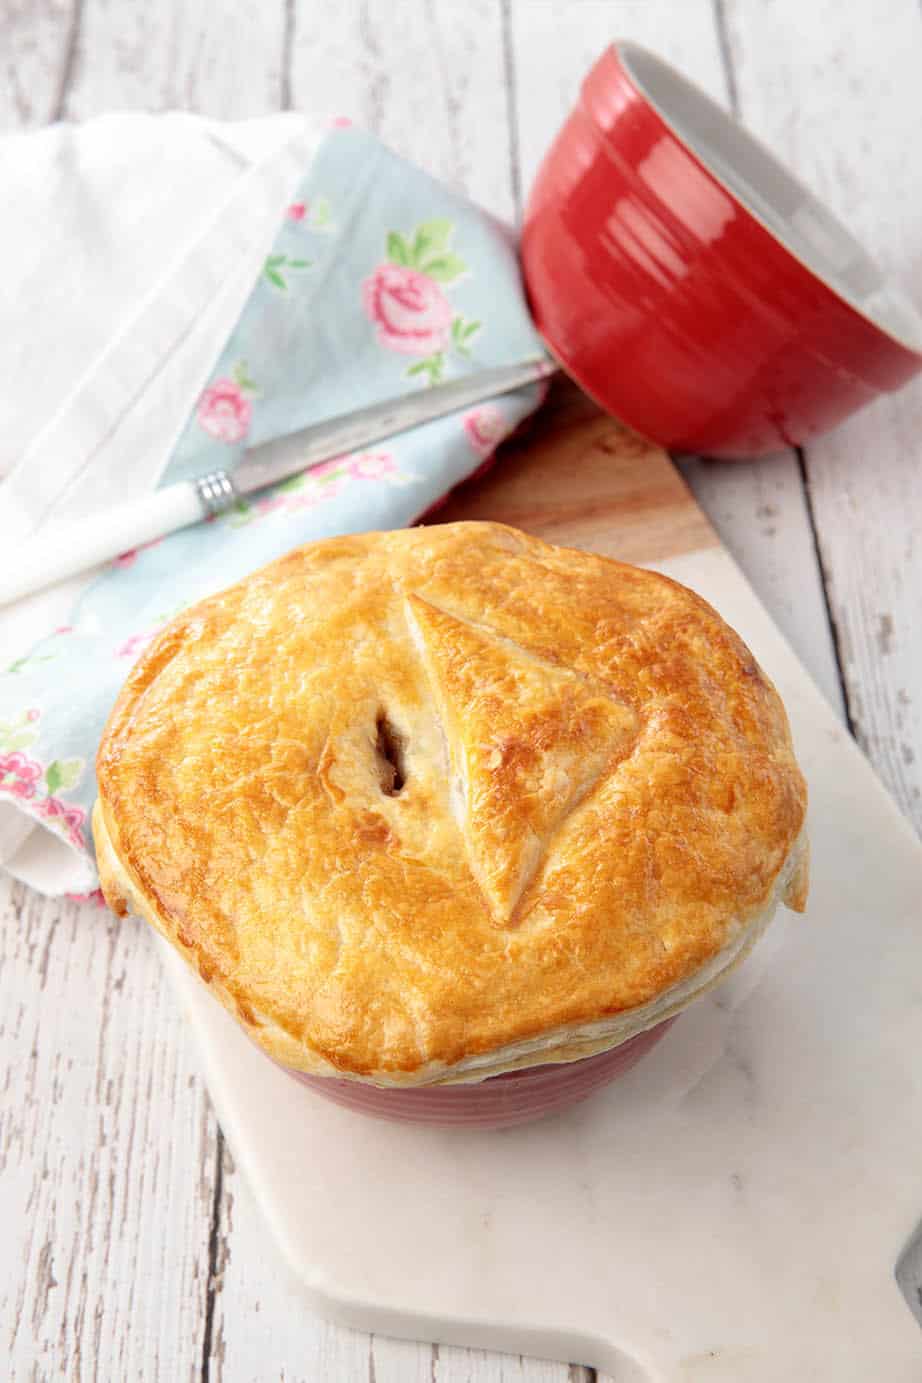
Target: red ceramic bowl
(693, 287)
(514, 1098)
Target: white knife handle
(62, 550)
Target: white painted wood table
(129, 1247)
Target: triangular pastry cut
(527, 740)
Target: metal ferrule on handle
(216, 492)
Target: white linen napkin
(135, 240)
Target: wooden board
(577, 476)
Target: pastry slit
(389, 748)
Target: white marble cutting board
(732, 1210)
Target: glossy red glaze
(515, 1098)
(671, 303)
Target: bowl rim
(628, 55)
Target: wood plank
(758, 508)
(261, 1327)
(192, 55)
(37, 42)
(841, 106)
(106, 1147)
(428, 78)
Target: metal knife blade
(273, 461)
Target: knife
(63, 549)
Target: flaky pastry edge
(563, 1044)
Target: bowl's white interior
(773, 196)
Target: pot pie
(427, 806)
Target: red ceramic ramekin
(498, 1102)
(692, 286)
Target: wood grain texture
(575, 467)
(760, 510)
(131, 1248)
(106, 1146)
(841, 106)
(198, 55)
(37, 43)
(424, 75)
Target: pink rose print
(341, 122)
(313, 493)
(19, 774)
(224, 411)
(67, 817)
(372, 465)
(297, 211)
(485, 428)
(27, 779)
(409, 309)
(325, 468)
(405, 298)
(35, 713)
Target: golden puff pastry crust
(427, 805)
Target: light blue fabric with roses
(380, 280)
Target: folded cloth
(379, 280)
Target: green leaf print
(432, 366)
(444, 268)
(398, 251)
(320, 214)
(426, 249)
(273, 266)
(63, 774)
(239, 514)
(20, 663)
(294, 482)
(241, 377)
(431, 238)
(461, 333)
